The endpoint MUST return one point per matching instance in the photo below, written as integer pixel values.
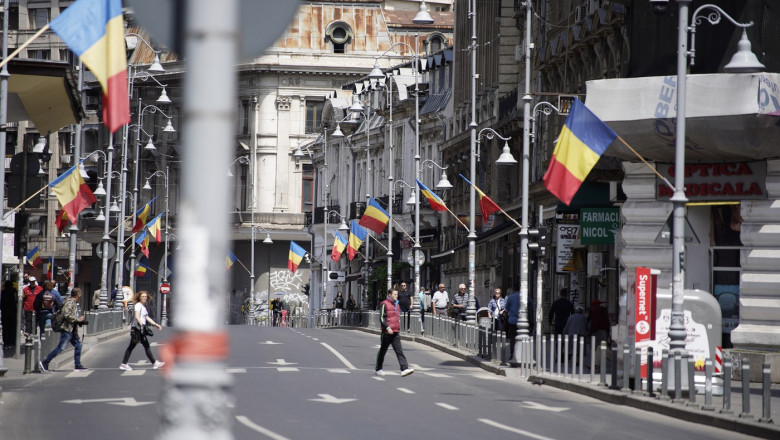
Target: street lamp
(743, 61)
(411, 202)
(267, 240)
(376, 73)
(107, 157)
(165, 174)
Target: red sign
(644, 312)
(165, 288)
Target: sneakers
(44, 365)
(407, 372)
(379, 373)
(80, 368)
(158, 364)
(125, 367)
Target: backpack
(56, 321)
(47, 301)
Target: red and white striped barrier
(718, 364)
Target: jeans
(43, 316)
(74, 340)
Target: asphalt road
(320, 384)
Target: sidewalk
(589, 386)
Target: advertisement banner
(644, 312)
(566, 235)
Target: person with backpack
(69, 333)
(46, 302)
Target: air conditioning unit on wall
(579, 14)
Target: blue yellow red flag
(296, 255)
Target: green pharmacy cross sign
(599, 225)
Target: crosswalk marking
(133, 373)
(405, 390)
(380, 379)
(79, 373)
(236, 370)
(440, 375)
(447, 406)
(337, 370)
(286, 369)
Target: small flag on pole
(143, 241)
(61, 221)
(357, 235)
(34, 257)
(155, 227)
(140, 271)
(486, 204)
(436, 203)
(339, 244)
(584, 138)
(230, 259)
(141, 215)
(72, 192)
(296, 255)
(375, 217)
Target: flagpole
(648, 165)
(13, 54)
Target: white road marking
(337, 370)
(121, 401)
(338, 355)
(441, 375)
(405, 390)
(282, 362)
(380, 379)
(270, 343)
(79, 373)
(235, 370)
(286, 369)
(535, 405)
(417, 367)
(251, 425)
(488, 376)
(514, 430)
(134, 373)
(327, 398)
(447, 406)
(314, 339)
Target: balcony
(334, 214)
(356, 209)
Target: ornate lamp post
(165, 174)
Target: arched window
(339, 34)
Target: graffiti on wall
(286, 281)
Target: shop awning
(43, 92)
(728, 116)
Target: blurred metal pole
(3, 127)
(196, 398)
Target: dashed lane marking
(405, 390)
(235, 370)
(79, 373)
(447, 406)
(265, 431)
(514, 430)
(133, 373)
(337, 370)
(286, 369)
(440, 375)
(377, 378)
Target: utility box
(336, 275)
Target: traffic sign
(165, 288)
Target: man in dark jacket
(71, 321)
(405, 303)
(560, 311)
(390, 324)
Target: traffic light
(538, 239)
(21, 233)
(24, 180)
(306, 289)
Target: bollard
(766, 391)
(708, 386)
(745, 414)
(565, 355)
(558, 339)
(28, 348)
(691, 380)
(677, 377)
(726, 409)
(650, 360)
(504, 349)
(614, 371)
(626, 377)
(37, 354)
(603, 364)
(582, 356)
(664, 374)
(592, 357)
(543, 356)
(637, 370)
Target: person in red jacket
(390, 324)
(29, 293)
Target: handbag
(147, 331)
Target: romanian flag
(61, 221)
(34, 257)
(94, 30)
(583, 139)
(141, 215)
(155, 227)
(230, 259)
(296, 255)
(143, 241)
(339, 245)
(436, 203)
(486, 204)
(140, 271)
(49, 269)
(375, 217)
(357, 235)
(73, 194)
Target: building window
(39, 17)
(39, 54)
(339, 34)
(246, 106)
(313, 115)
(13, 19)
(66, 55)
(307, 194)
